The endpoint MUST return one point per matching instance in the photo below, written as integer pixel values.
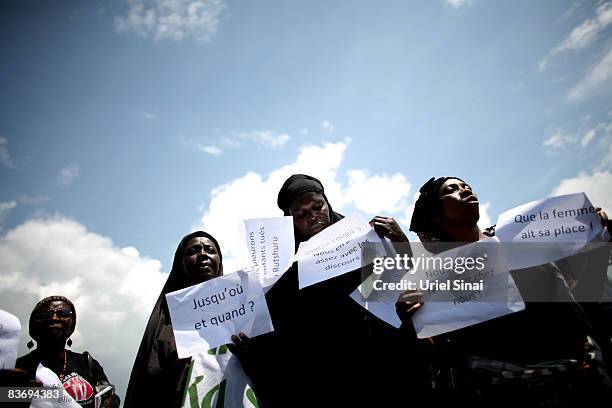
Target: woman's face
(310, 214)
(53, 321)
(201, 260)
(458, 202)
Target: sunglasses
(61, 313)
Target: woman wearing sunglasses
(52, 322)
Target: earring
(30, 344)
(69, 342)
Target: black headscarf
(159, 377)
(295, 186)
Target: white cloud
(5, 208)
(605, 146)
(485, 220)
(595, 185)
(113, 292)
(588, 136)
(327, 126)
(266, 138)
(5, 157)
(33, 200)
(570, 12)
(457, 3)
(212, 150)
(556, 142)
(231, 143)
(172, 19)
(254, 195)
(68, 174)
(376, 194)
(598, 80)
(143, 114)
(583, 35)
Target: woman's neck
(463, 232)
(51, 352)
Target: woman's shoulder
(28, 362)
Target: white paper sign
(217, 375)
(560, 226)
(51, 380)
(334, 251)
(206, 315)
(10, 330)
(446, 310)
(384, 309)
(270, 245)
(381, 303)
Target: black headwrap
(294, 187)
(47, 300)
(426, 209)
(159, 377)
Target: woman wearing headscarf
(159, 377)
(325, 349)
(52, 322)
(533, 357)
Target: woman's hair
(46, 300)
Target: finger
(414, 308)
(412, 297)
(604, 217)
(235, 340)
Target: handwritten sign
(453, 301)
(558, 226)
(334, 251)
(270, 245)
(206, 315)
(10, 329)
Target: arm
(99, 377)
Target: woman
(159, 377)
(326, 349)
(52, 322)
(534, 357)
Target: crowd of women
(327, 350)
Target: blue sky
(127, 124)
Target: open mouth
(471, 199)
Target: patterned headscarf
(45, 301)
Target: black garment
(326, 350)
(79, 378)
(546, 332)
(159, 377)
